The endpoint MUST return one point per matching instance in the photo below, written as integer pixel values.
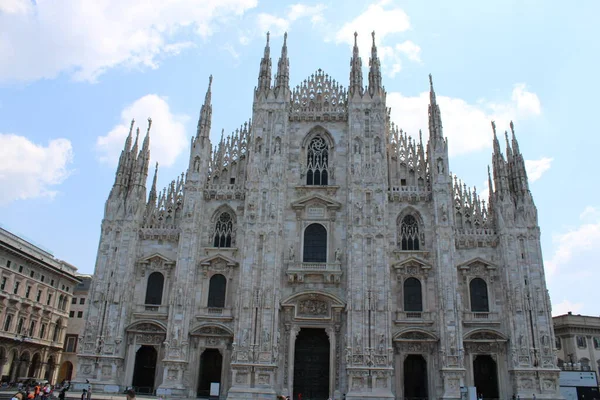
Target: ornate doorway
(211, 365)
(415, 377)
(144, 370)
(486, 377)
(311, 364)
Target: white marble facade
(319, 249)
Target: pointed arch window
(315, 244)
(223, 230)
(413, 300)
(317, 163)
(409, 233)
(216, 291)
(154, 288)
(479, 295)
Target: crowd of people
(39, 391)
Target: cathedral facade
(320, 251)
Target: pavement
(7, 394)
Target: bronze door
(311, 365)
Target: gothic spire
(134, 149)
(152, 195)
(264, 75)
(519, 171)
(435, 118)
(283, 67)
(356, 78)
(375, 70)
(515, 142)
(128, 140)
(204, 121)
(501, 183)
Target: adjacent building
(320, 250)
(75, 327)
(35, 299)
(578, 342)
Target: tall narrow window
(20, 326)
(409, 233)
(154, 290)
(223, 230)
(412, 295)
(7, 323)
(315, 244)
(56, 334)
(317, 163)
(216, 291)
(479, 295)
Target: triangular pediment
(477, 262)
(413, 261)
(156, 257)
(219, 258)
(316, 199)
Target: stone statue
(291, 253)
(338, 254)
(381, 346)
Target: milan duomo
(320, 252)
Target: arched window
(479, 295)
(317, 162)
(413, 300)
(315, 244)
(216, 291)
(223, 230)
(154, 289)
(409, 233)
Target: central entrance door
(415, 377)
(144, 370)
(486, 377)
(311, 365)
(211, 363)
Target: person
(84, 394)
(18, 396)
(130, 394)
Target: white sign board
(214, 388)
(569, 393)
(315, 212)
(578, 378)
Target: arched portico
(415, 363)
(315, 315)
(210, 350)
(486, 362)
(145, 346)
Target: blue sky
(73, 74)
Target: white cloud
(87, 37)
(277, 26)
(15, 6)
(536, 168)
(273, 24)
(387, 22)
(572, 271)
(167, 136)
(29, 170)
(565, 306)
(582, 239)
(466, 125)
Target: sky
(74, 73)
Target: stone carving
(212, 330)
(312, 308)
(414, 335)
(319, 96)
